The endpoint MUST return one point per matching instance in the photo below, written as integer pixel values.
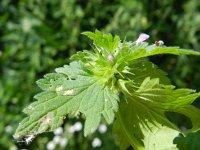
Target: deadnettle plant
(117, 83)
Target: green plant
(36, 37)
(114, 81)
(189, 142)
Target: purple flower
(142, 37)
(110, 57)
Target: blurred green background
(36, 36)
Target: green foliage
(189, 142)
(37, 36)
(69, 91)
(146, 108)
(91, 85)
(108, 42)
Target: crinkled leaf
(146, 107)
(64, 96)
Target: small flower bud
(58, 131)
(9, 129)
(78, 126)
(96, 142)
(142, 37)
(71, 129)
(102, 128)
(57, 139)
(51, 145)
(63, 142)
(110, 57)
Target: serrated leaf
(82, 94)
(144, 68)
(140, 52)
(135, 124)
(74, 70)
(85, 57)
(50, 81)
(146, 107)
(105, 41)
(137, 71)
(159, 138)
(92, 82)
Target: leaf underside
(145, 111)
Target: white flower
(9, 129)
(96, 142)
(142, 37)
(102, 128)
(58, 131)
(71, 129)
(78, 126)
(26, 25)
(13, 147)
(57, 139)
(63, 142)
(51, 145)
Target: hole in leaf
(130, 148)
(196, 103)
(180, 120)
